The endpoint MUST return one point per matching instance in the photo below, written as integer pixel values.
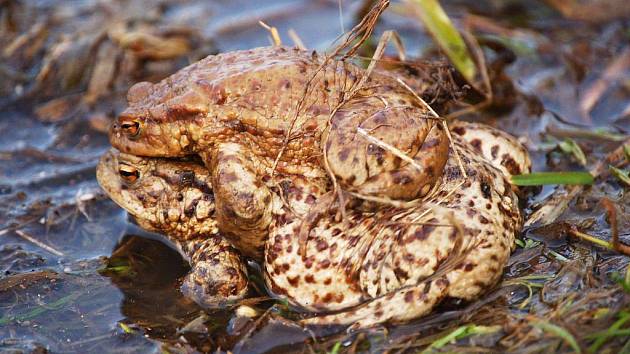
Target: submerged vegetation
(79, 277)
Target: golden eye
(128, 173)
(131, 128)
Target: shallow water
(79, 276)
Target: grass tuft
(543, 178)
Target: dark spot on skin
(423, 232)
(422, 262)
(401, 274)
(397, 161)
(442, 282)
(190, 209)
(374, 150)
(324, 264)
(336, 231)
(380, 118)
(471, 212)
(327, 298)
(488, 206)
(308, 263)
(494, 257)
(468, 267)
(278, 290)
(471, 203)
(321, 245)
(459, 130)
(294, 281)
(479, 284)
(228, 177)
(409, 296)
(401, 178)
(476, 143)
(350, 180)
(510, 164)
(483, 220)
(310, 199)
(494, 150)
(378, 313)
(285, 84)
(327, 281)
(485, 190)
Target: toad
(274, 110)
(391, 265)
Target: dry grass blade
(38, 243)
(437, 116)
(275, 36)
(362, 132)
(442, 200)
(362, 31)
(297, 41)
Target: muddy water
(79, 276)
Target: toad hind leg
(243, 202)
(365, 153)
(400, 305)
(217, 274)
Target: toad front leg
(243, 202)
(217, 275)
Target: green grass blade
(623, 176)
(542, 178)
(460, 333)
(446, 35)
(569, 146)
(559, 332)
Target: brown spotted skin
(394, 264)
(255, 99)
(176, 198)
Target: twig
(614, 230)
(38, 243)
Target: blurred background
(78, 276)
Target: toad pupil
(132, 128)
(129, 174)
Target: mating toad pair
(347, 192)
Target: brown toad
(274, 110)
(392, 265)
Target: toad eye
(128, 173)
(131, 128)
